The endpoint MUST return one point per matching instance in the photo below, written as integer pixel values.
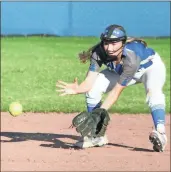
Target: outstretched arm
(74, 88)
(87, 84)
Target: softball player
(128, 61)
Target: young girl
(128, 61)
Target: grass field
(30, 67)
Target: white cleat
(159, 140)
(92, 142)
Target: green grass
(30, 67)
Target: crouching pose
(128, 61)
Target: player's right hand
(67, 88)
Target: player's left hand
(93, 124)
(67, 88)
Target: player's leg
(105, 81)
(154, 79)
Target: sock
(91, 107)
(158, 115)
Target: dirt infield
(41, 142)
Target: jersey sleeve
(95, 63)
(131, 64)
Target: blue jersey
(135, 57)
(139, 50)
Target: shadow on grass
(48, 137)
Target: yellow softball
(15, 109)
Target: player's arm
(112, 96)
(131, 65)
(88, 82)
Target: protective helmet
(114, 33)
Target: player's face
(112, 48)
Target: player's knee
(93, 101)
(95, 94)
(93, 98)
(155, 97)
